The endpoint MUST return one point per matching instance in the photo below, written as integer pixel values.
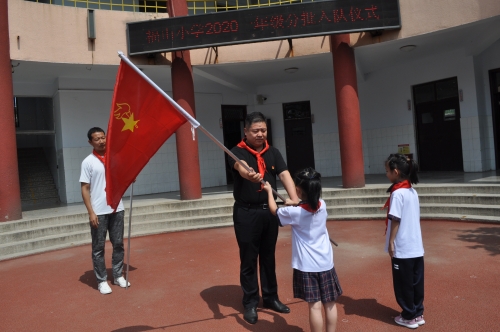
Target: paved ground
(188, 281)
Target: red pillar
(10, 195)
(346, 91)
(188, 161)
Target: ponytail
(413, 171)
(310, 182)
(408, 168)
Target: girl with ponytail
(314, 277)
(404, 240)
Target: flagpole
(216, 141)
(195, 124)
(192, 120)
(129, 229)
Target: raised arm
(270, 199)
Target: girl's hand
(267, 187)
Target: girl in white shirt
(314, 277)
(404, 240)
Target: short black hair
(94, 130)
(254, 117)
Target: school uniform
(408, 260)
(314, 276)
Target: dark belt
(253, 206)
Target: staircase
(478, 203)
(445, 201)
(35, 180)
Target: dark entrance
(495, 111)
(298, 136)
(233, 122)
(437, 112)
(36, 152)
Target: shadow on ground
(227, 296)
(230, 296)
(487, 238)
(368, 308)
(88, 278)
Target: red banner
(141, 121)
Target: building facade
(430, 89)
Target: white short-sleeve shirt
(93, 172)
(405, 206)
(311, 249)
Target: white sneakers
(121, 282)
(104, 288)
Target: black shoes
(250, 315)
(277, 306)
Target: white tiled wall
(159, 175)
(379, 143)
(212, 164)
(327, 154)
(487, 142)
(471, 144)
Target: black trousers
(256, 233)
(408, 281)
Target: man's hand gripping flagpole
(194, 123)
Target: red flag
(141, 121)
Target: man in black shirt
(255, 227)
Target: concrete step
(485, 199)
(460, 202)
(39, 194)
(143, 221)
(423, 216)
(184, 209)
(463, 209)
(19, 243)
(421, 189)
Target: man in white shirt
(102, 217)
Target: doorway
(36, 152)
(437, 113)
(495, 112)
(298, 136)
(233, 122)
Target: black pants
(256, 232)
(408, 280)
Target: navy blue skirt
(316, 286)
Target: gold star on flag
(130, 123)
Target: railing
(160, 6)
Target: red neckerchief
(260, 161)
(308, 208)
(394, 187)
(101, 158)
